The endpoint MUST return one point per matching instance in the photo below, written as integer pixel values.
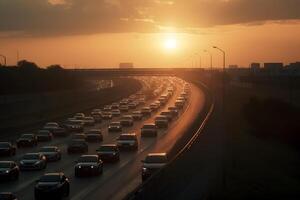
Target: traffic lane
(28, 178)
(122, 183)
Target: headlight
(114, 153)
(21, 162)
(79, 167)
(7, 171)
(92, 166)
(144, 169)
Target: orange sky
(263, 41)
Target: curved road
(117, 179)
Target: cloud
(68, 17)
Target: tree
(55, 68)
(27, 66)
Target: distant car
(115, 106)
(107, 108)
(116, 113)
(124, 108)
(55, 129)
(52, 153)
(137, 115)
(89, 121)
(79, 136)
(106, 115)
(152, 163)
(109, 153)
(173, 111)
(44, 136)
(132, 105)
(146, 111)
(74, 125)
(126, 120)
(115, 127)
(8, 196)
(179, 104)
(161, 121)
(168, 115)
(149, 130)
(97, 117)
(79, 115)
(162, 100)
(77, 146)
(52, 186)
(7, 149)
(27, 140)
(184, 95)
(89, 165)
(96, 111)
(33, 161)
(154, 106)
(127, 141)
(9, 170)
(94, 135)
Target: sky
(149, 33)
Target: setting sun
(170, 43)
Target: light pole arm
(4, 57)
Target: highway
(118, 178)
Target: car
(94, 135)
(79, 136)
(116, 112)
(146, 111)
(161, 121)
(173, 111)
(106, 115)
(108, 153)
(179, 104)
(152, 163)
(96, 111)
(79, 116)
(126, 120)
(9, 170)
(52, 186)
(107, 108)
(52, 153)
(77, 146)
(74, 125)
(97, 117)
(89, 165)
(168, 115)
(44, 136)
(7, 149)
(154, 106)
(55, 129)
(33, 161)
(184, 95)
(127, 141)
(115, 106)
(89, 121)
(137, 115)
(149, 130)
(124, 108)
(115, 127)
(27, 140)
(8, 196)
(132, 105)
(162, 100)
(180, 98)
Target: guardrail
(154, 179)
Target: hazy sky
(102, 33)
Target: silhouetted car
(55, 129)
(52, 186)
(124, 108)
(74, 125)
(44, 136)
(168, 115)
(52, 153)
(173, 111)
(8, 196)
(162, 100)
(33, 161)
(179, 104)
(116, 113)
(115, 127)
(97, 117)
(77, 146)
(154, 106)
(137, 115)
(132, 105)
(106, 115)
(9, 170)
(89, 165)
(184, 95)
(161, 121)
(149, 130)
(7, 149)
(79, 136)
(89, 121)
(27, 140)
(94, 135)
(127, 141)
(109, 153)
(115, 106)
(152, 163)
(146, 111)
(107, 108)
(126, 120)
(79, 116)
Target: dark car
(116, 113)
(8, 196)
(89, 121)
(56, 129)
(74, 125)
(137, 115)
(106, 115)
(126, 120)
(127, 141)
(174, 111)
(78, 146)
(7, 149)
(168, 115)
(9, 170)
(27, 140)
(97, 117)
(179, 104)
(94, 135)
(44, 136)
(115, 127)
(152, 163)
(146, 111)
(52, 186)
(154, 106)
(89, 165)
(52, 153)
(33, 161)
(149, 130)
(124, 108)
(161, 121)
(109, 153)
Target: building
(273, 68)
(233, 66)
(126, 65)
(254, 67)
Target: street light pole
(4, 57)
(211, 66)
(200, 60)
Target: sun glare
(170, 43)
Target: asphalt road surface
(119, 178)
